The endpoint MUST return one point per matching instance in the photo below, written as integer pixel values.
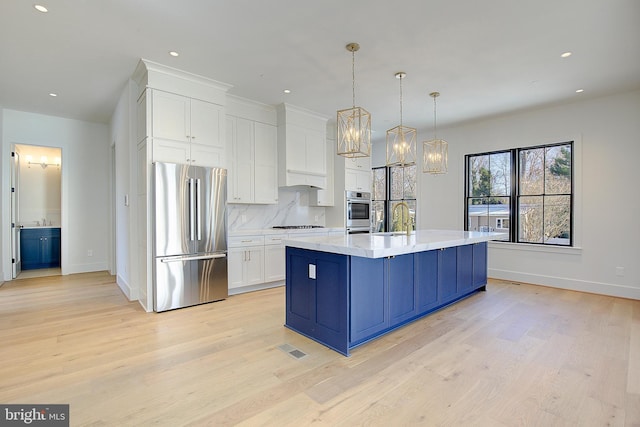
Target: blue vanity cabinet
(317, 295)
(40, 248)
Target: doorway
(36, 211)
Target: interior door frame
(16, 261)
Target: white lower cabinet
(246, 261)
(274, 258)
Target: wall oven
(358, 206)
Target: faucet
(409, 222)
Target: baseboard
(86, 268)
(608, 289)
(251, 288)
(124, 287)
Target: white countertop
(377, 245)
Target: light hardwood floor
(514, 355)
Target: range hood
(302, 147)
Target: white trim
(533, 247)
(570, 284)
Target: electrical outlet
(243, 218)
(90, 252)
(620, 271)
(316, 217)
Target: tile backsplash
(292, 209)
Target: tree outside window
(540, 181)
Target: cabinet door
(206, 155)
(254, 266)
(266, 163)
(479, 265)
(30, 248)
(274, 263)
(369, 290)
(447, 275)
(465, 269)
(235, 267)
(170, 116)
(402, 288)
(243, 157)
(207, 123)
(55, 248)
(426, 273)
(171, 151)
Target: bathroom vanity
(40, 247)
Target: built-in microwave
(358, 212)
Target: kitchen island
(343, 291)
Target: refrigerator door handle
(198, 209)
(191, 210)
(192, 257)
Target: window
(502, 223)
(531, 188)
(387, 200)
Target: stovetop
(296, 227)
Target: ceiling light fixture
(579, 90)
(354, 124)
(566, 54)
(401, 140)
(435, 152)
(287, 91)
(40, 8)
(53, 95)
(173, 53)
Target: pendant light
(401, 140)
(435, 152)
(354, 124)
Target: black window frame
(514, 196)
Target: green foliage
(561, 165)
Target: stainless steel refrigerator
(190, 244)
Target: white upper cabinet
(357, 174)
(252, 137)
(325, 196)
(266, 163)
(301, 147)
(187, 130)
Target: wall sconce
(43, 162)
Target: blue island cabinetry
(40, 248)
(343, 301)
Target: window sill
(532, 247)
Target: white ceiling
(485, 57)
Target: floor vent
(292, 351)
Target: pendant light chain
(400, 77)
(353, 77)
(435, 126)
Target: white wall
(39, 189)
(85, 185)
(607, 135)
(121, 129)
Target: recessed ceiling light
(40, 8)
(286, 91)
(173, 53)
(53, 95)
(579, 90)
(566, 54)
